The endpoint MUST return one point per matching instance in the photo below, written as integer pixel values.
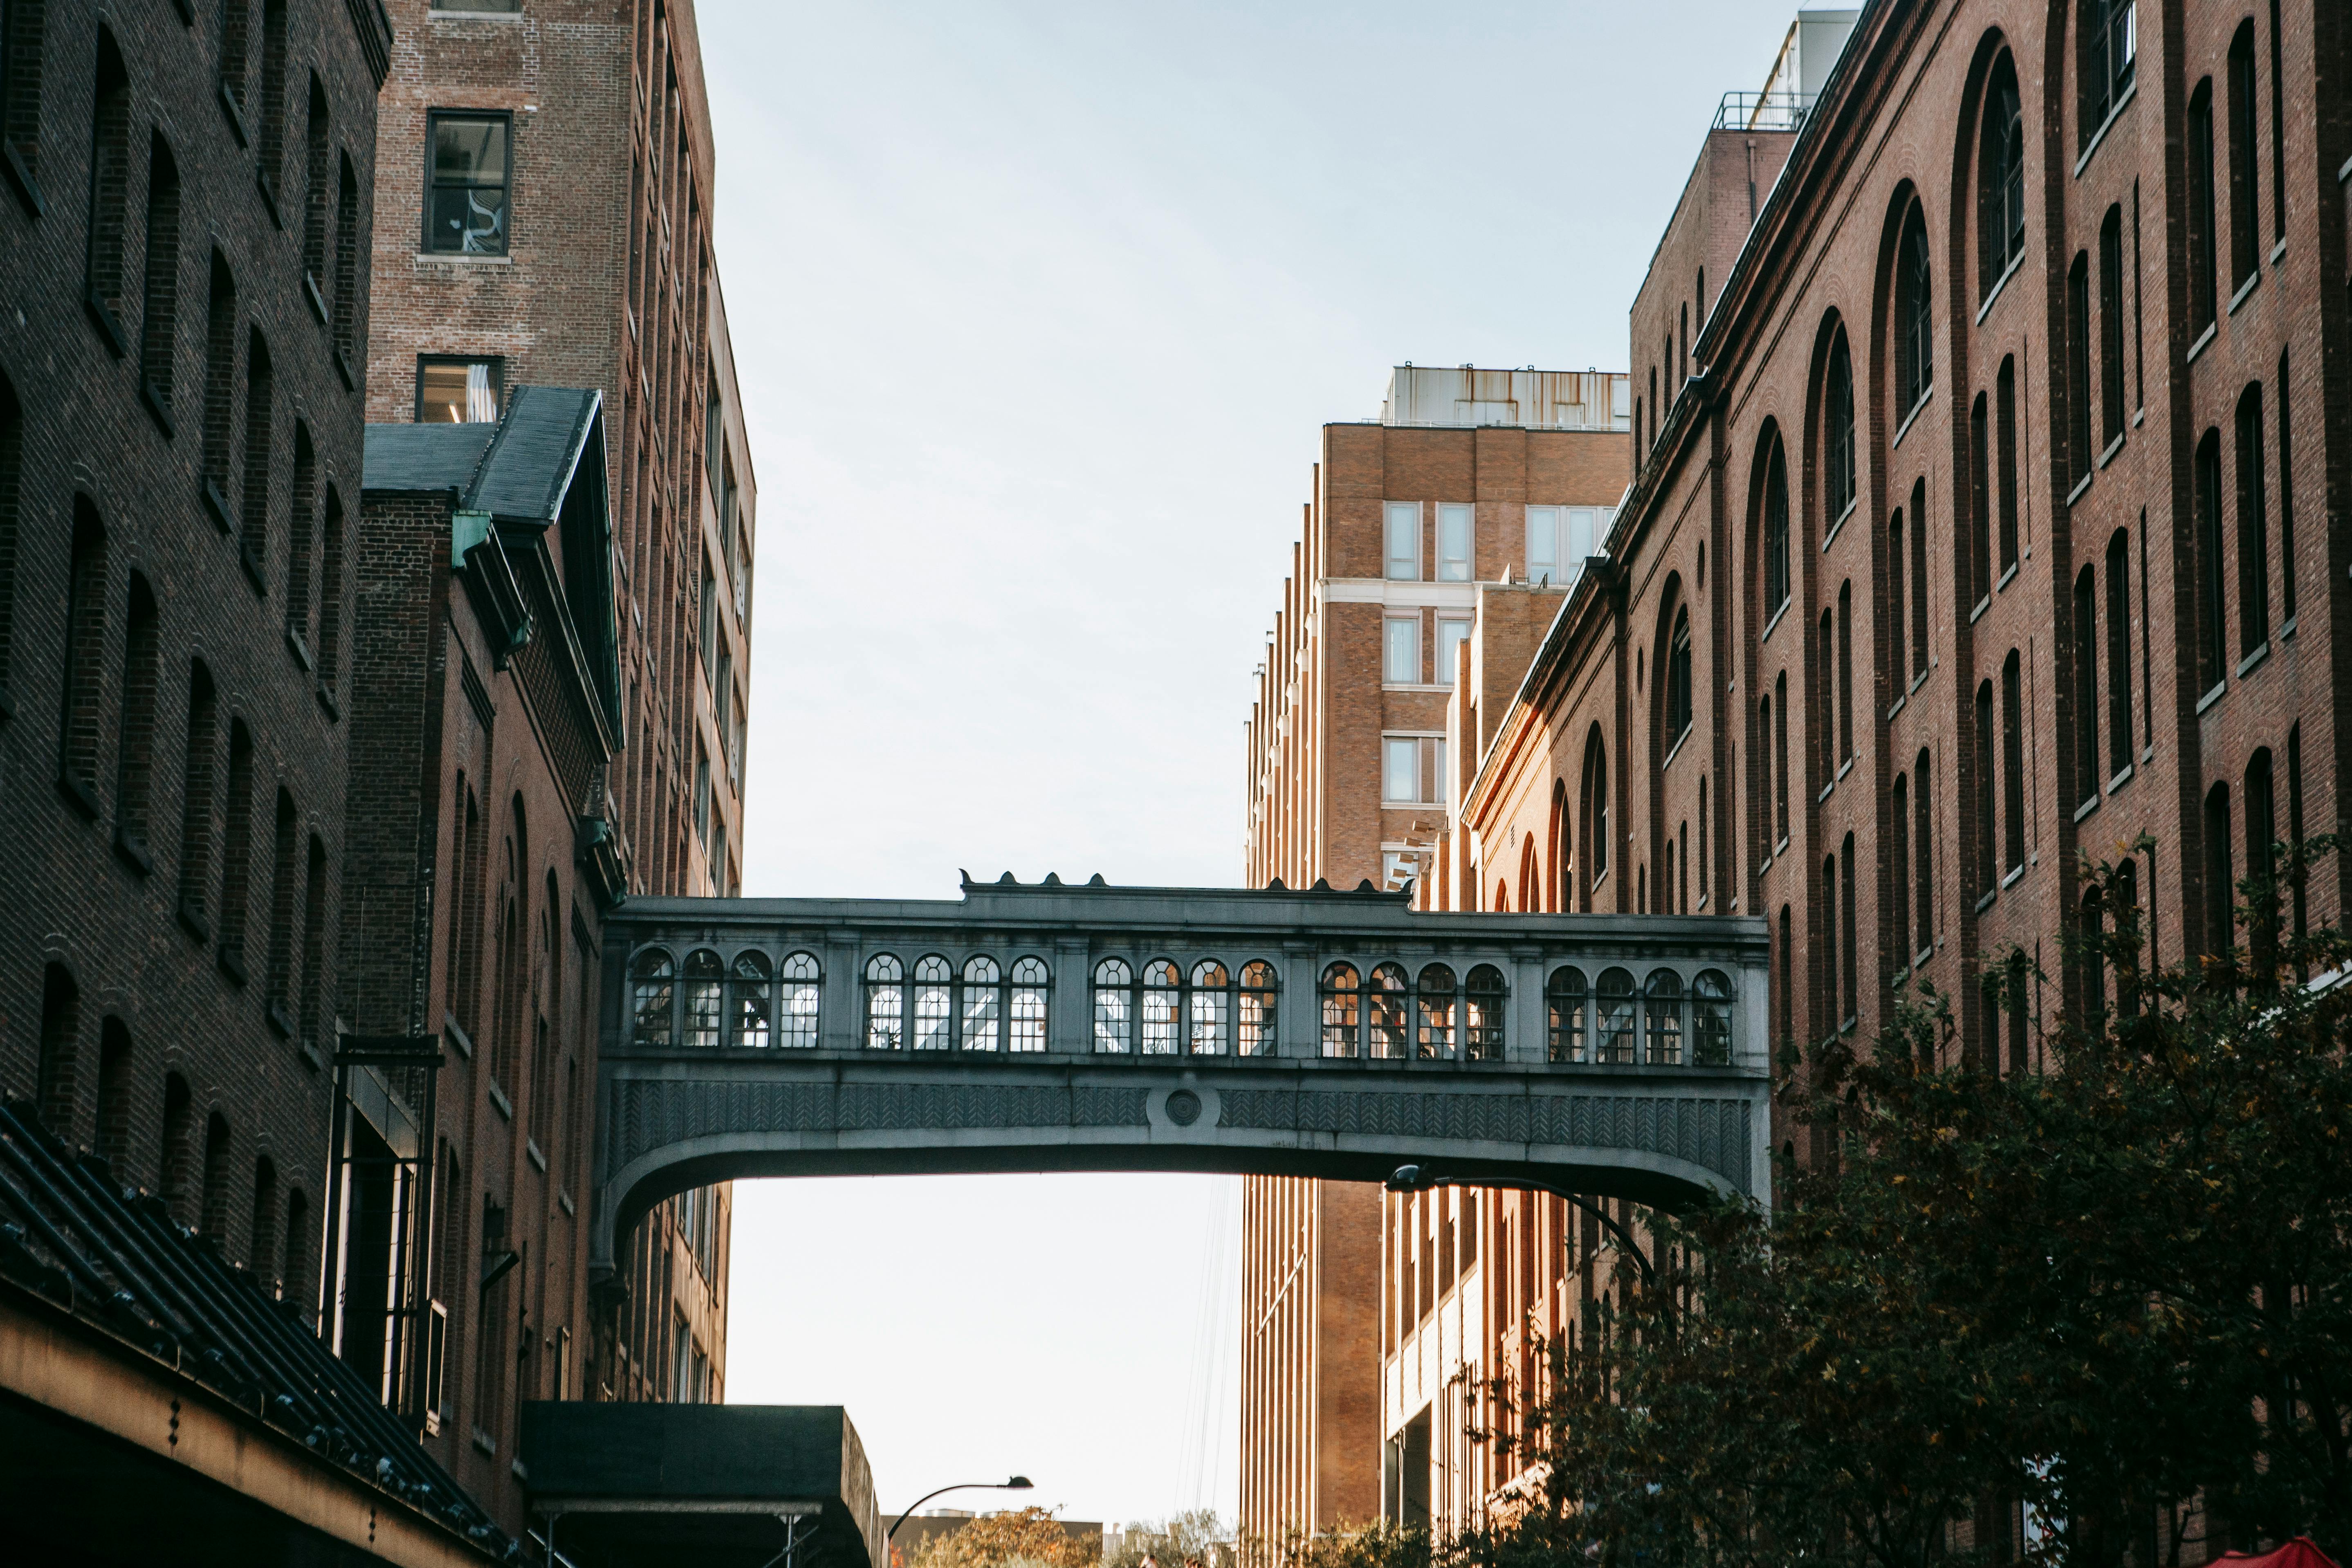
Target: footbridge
(1056, 1027)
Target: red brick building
(1996, 520)
(1472, 478)
(547, 187)
(185, 235)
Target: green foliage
(2105, 1291)
(1195, 1537)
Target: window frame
(496, 364)
(434, 119)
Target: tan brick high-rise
(1471, 477)
(544, 199)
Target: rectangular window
(2005, 400)
(1411, 769)
(2119, 704)
(1543, 544)
(2078, 371)
(2203, 304)
(1583, 537)
(2245, 244)
(1400, 650)
(2012, 764)
(1454, 543)
(1403, 549)
(2111, 327)
(2253, 527)
(471, 166)
(1451, 636)
(503, 5)
(452, 391)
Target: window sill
(232, 963)
(215, 503)
(2003, 580)
(2015, 872)
(1839, 526)
(268, 198)
(317, 300)
(280, 1024)
(2213, 696)
(2253, 661)
(2007, 273)
(2100, 135)
(2114, 445)
(2204, 341)
(1675, 750)
(21, 181)
(1775, 620)
(2082, 486)
(1987, 901)
(2120, 779)
(1921, 961)
(1982, 606)
(484, 1442)
(254, 571)
(461, 259)
(460, 14)
(1782, 847)
(1844, 768)
(1911, 416)
(110, 330)
(1900, 704)
(499, 1098)
(458, 1035)
(298, 649)
(2253, 281)
(2087, 807)
(1828, 790)
(2278, 251)
(152, 401)
(1415, 686)
(78, 795)
(236, 116)
(2286, 632)
(343, 369)
(192, 921)
(531, 1152)
(132, 849)
(564, 1200)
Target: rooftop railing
(1763, 110)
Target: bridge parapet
(1051, 1027)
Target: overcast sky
(1038, 308)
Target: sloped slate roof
(517, 469)
(73, 1235)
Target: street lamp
(1421, 1179)
(1017, 1484)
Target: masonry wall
(608, 281)
(167, 944)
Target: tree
(1021, 1538)
(1195, 1536)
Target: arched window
(933, 998)
(2001, 180)
(979, 1004)
(1711, 1019)
(2221, 880)
(2105, 61)
(1564, 999)
(1594, 830)
(1846, 670)
(1849, 934)
(20, 104)
(1162, 999)
(2254, 526)
(159, 314)
(2207, 490)
(1661, 1010)
(1897, 599)
(886, 1002)
(1114, 1006)
(134, 763)
(700, 977)
(1827, 998)
(260, 410)
(803, 993)
(272, 128)
(1915, 318)
(1678, 679)
(1779, 742)
(110, 190)
(1838, 482)
(1387, 1006)
(1482, 1015)
(1434, 997)
(1976, 569)
(751, 1005)
(1027, 1012)
(1823, 718)
(1918, 586)
(346, 304)
(1209, 1021)
(316, 193)
(1612, 1039)
(196, 800)
(85, 657)
(653, 1010)
(1342, 1011)
(1763, 755)
(2204, 285)
(237, 850)
(277, 986)
(220, 390)
(330, 596)
(2245, 215)
(1257, 1002)
(1776, 531)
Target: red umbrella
(2296, 1553)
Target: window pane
(1399, 769)
(1451, 636)
(1401, 660)
(1583, 521)
(1404, 548)
(467, 208)
(1454, 545)
(1543, 544)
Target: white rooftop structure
(1459, 395)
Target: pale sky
(1038, 309)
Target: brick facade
(601, 275)
(2077, 575)
(183, 231)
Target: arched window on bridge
(803, 989)
(1209, 1010)
(1613, 1021)
(886, 1002)
(1436, 1013)
(1342, 1015)
(1027, 1014)
(1564, 999)
(702, 976)
(750, 1006)
(1711, 1019)
(934, 999)
(1257, 1032)
(1482, 1015)
(656, 983)
(1391, 1013)
(1114, 1006)
(980, 1009)
(1662, 1006)
(1163, 991)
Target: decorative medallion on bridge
(1183, 1108)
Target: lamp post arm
(959, 1486)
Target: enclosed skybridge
(1053, 1027)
